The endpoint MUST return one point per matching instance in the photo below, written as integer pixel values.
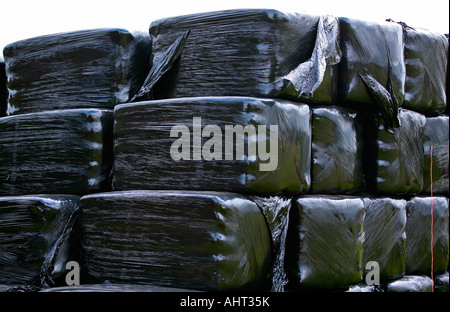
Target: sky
(22, 19)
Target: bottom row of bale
(223, 241)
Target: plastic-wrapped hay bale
(34, 241)
(442, 283)
(3, 89)
(436, 134)
(325, 242)
(56, 152)
(213, 143)
(251, 52)
(372, 67)
(399, 156)
(96, 68)
(385, 236)
(336, 151)
(426, 70)
(276, 210)
(411, 283)
(418, 235)
(183, 239)
(108, 287)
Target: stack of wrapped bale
(56, 140)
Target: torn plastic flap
(308, 76)
(160, 66)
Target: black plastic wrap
(56, 152)
(418, 235)
(96, 68)
(34, 241)
(325, 242)
(399, 156)
(411, 283)
(250, 52)
(109, 287)
(385, 236)
(192, 240)
(442, 283)
(372, 69)
(143, 145)
(336, 151)
(3, 89)
(276, 210)
(437, 134)
(426, 70)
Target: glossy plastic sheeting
(253, 52)
(411, 283)
(418, 235)
(276, 210)
(34, 241)
(192, 240)
(426, 70)
(3, 89)
(148, 157)
(56, 152)
(325, 242)
(372, 69)
(336, 151)
(399, 163)
(436, 134)
(385, 236)
(96, 68)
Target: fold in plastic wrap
(336, 151)
(252, 52)
(109, 287)
(418, 235)
(96, 68)
(411, 283)
(3, 89)
(325, 242)
(399, 156)
(213, 143)
(192, 240)
(56, 152)
(441, 283)
(276, 210)
(34, 245)
(385, 236)
(372, 69)
(426, 70)
(437, 134)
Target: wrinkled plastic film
(325, 241)
(411, 283)
(262, 53)
(57, 152)
(143, 145)
(32, 244)
(336, 151)
(96, 68)
(385, 236)
(436, 133)
(418, 226)
(3, 89)
(192, 240)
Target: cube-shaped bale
(399, 156)
(56, 152)
(411, 283)
(96, 68)
(183, 239)
(418, 235)
(325, 242)
(336, 151)
(370, 50)
(34, 238)
(250, 52)
(426, 70)
(436, 134)
(213, 143)
(385, 236)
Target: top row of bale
(252, 52)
